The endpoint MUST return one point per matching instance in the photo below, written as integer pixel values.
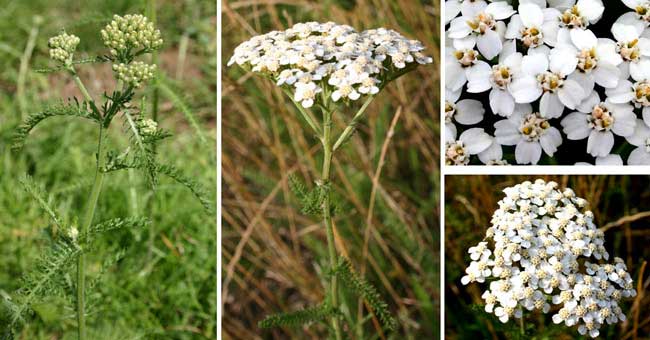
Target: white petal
(534, 64)
(528, 152)
(475, 140)
(607, 75)
(469, 111)
(639, 157)
(591, 9)
(609, 160)
(500, 10)
(493, 153)
(514, 27)
(489, 44)
(640, 135)
(563, 60)
(640, 71)
(588, 103)
(550, 105)
(646, 115)
(583, 39)
(551, 140)
(600, 143)
(525, 90)
(623, 93)
(624, 122)
(452, 9)
(624, 33)
(506, 132)
(531, 15)
(571, 94)
(501, 102)
(575, 126)
(478, 78)
(455, 77)
(459, 28)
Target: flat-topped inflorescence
(543, 241)
(316, 59)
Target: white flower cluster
(540, 63)
(135, 73)
(132, 31)
(62, 47)
(540, 235)
(325, 59)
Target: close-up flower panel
(549, 82)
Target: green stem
(331, 247)
(88, 217)
(24, 65)
(87, 221)
(310, 120)
(350, 128)
(81, 86)
(521, 326)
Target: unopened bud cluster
(62, 47)
(541, 235)
(132, 31)
(147, 127)
(134, 74)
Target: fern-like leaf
(71, 108)
(114, 224)
(367, 291)
(38, 195)
(43, 279)
(311, 201)
(298, 318)
(189, 183)
(163, 84)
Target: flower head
(539, 236)
(134, 74)
(313, 57)
(131, 32)
(62, 47)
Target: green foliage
(114, 224)
(300, 317)
(311, 200)
(39, 195)
(44, 279)
(72, 108)
(367, 291)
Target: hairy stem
(87, 221)
(327, 218)
(352, 125)
(88, 216)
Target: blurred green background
(165, 289)
(621, 206)
(274, 256)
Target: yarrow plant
(544, 253)
(127, 38)
(329, 67)
(547, 78)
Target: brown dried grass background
(273, 256)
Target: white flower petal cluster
(147, 126)
(326, 59)
(131, 32)
(135, 73)
(62, 47)
(545, 72)
(536, 255)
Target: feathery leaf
(367, 291)
(298, 318)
